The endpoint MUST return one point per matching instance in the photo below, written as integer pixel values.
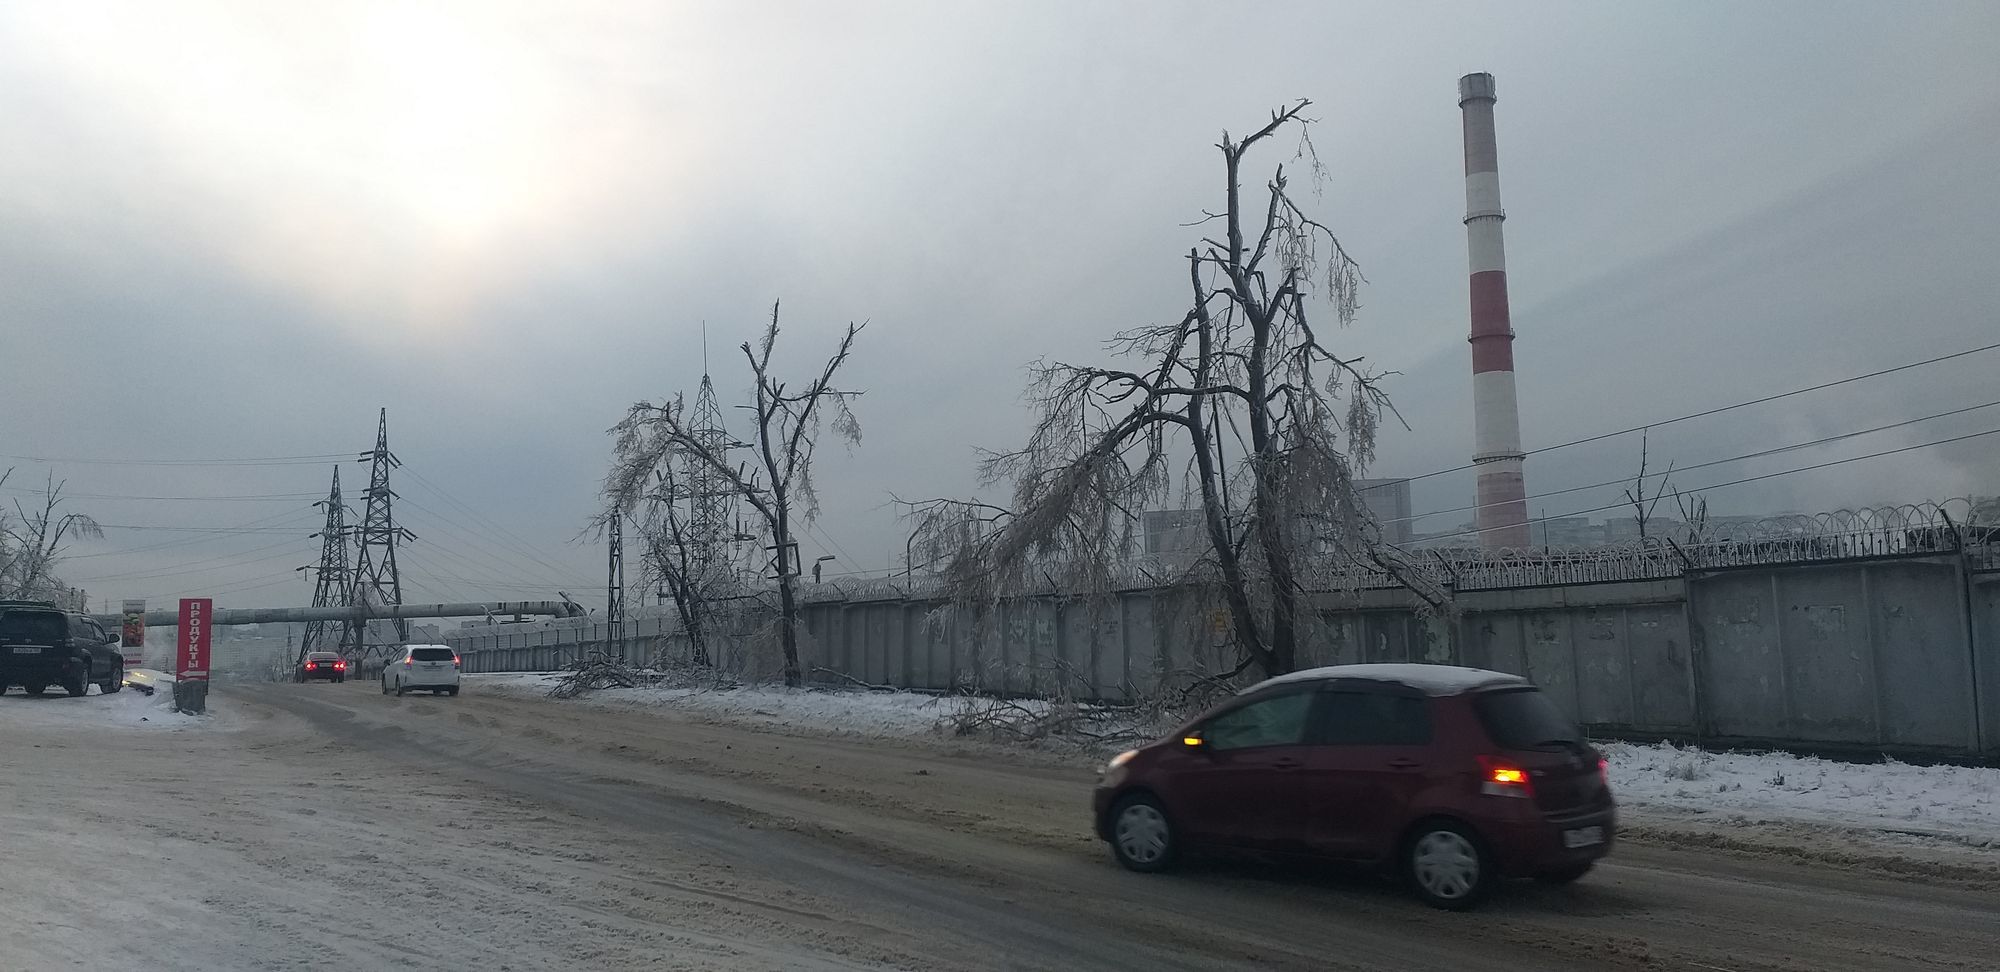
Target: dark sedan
(323, 665)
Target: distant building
(1568, 531)
(1465, 536)
(1626, 529)
(1389, 501)
(1165, 532)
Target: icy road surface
(332, 827)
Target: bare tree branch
(1242, 366)
(780, 489)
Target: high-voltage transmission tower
(376, 582)
(714, 534)
(334, 585)
(614, 586)
(691, 537)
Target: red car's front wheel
(1142, 835)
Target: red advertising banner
(134, 632)
(191, 660)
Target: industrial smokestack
(1502, 517)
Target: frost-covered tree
(1240, 404)
(778, 486)
(32, 540)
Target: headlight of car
(1117, 762)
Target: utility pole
(333, 586)
(376, 582)
(614, 588)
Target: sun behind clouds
(395, 161)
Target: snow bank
(125, 710)
(851, 713)
(1956, 802)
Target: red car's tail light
(340, 666)
(1497, 777)
(1604, 771)
(310, 666)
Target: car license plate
(1583, 837)
(26, 650)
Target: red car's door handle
(1403, 762)
(1286, 763)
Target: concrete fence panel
(1924, 665)
(1897, 652)
(1859, 654)
(1984, 621)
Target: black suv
(42, 645)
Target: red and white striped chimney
(1502, 517)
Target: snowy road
(326, 826)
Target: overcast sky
(236, 230)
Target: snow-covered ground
(843, 713)
(130, 709)
(1959, 804)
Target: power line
(1714, 462)
(254, 461)
(226, 591)
(1713, 411)
(250, 497)
(195, 565)
(522, 547)
(813, 529)
(1748, 479)
(211, 589)
(230, 531)
(490, 549)
(432, 545)
(476, 546)
(451, 590)
(296, 517)
(289, 554)
(441, 575)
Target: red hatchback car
(1453, 777)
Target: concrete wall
(1896, 654)
(1873, 654)
(1983, 590)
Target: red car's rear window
(1525, 719)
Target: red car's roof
(1429, 679)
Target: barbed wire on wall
(1953, 526)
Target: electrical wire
(1713, 462)
(255, 461)
(228, 531)
(453, 592)
(491, 543)
(1738, 482)
(522, 547)
(296, 518)
(432, 545)
(195, 566)
(225, 591)
(247, 498)
(474, 546)
(813, 529)
(1706, 413)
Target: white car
(422, 668)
